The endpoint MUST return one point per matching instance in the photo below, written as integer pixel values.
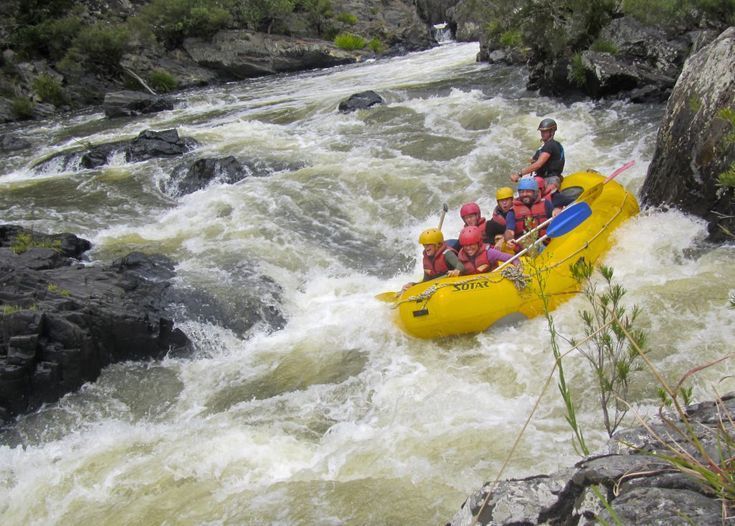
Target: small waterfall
(442, 33)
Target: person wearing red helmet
(476, 256)
(471, 216)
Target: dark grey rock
(360, 101)
(152, 144)
(132, 103)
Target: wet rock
(152, 144)
(360, 101)
(9, 143)
(694, 144)
(187, 179)
(132, 103)
(62, 322)
(635, 480)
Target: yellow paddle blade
(388, 297)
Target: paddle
(594, 192)
(567, 220)
(391, 296)
(589, 195)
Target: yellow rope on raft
(511, 272)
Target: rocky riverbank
(632, 483)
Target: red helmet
(469, 208)
(470, 235)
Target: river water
(338, 418)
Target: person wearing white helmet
(548, 161)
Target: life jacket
(437, 265)
(535, 215)
(482, 224)
(499, 216)
(472, 264)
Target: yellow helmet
(504, 193)
(431, 236)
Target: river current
(338, 418)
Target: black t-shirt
(555, 164)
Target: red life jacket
(471, 264)
(437, 265)
(536, 213)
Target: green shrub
(22, 107)
(604, 46)
(376, 45)
(511, 38)
(577, 72)
(347, 19)
(102, 46)
(673, 12)
(349, 41)
(174, 20)
(48, 89)
(25, 241)
(161, 80)
(50, 38)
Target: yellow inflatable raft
(470, 304)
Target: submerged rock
(133, 103)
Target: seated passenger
(439, 258)
(496, 226)
(529, 210)
(476, 256)
(471, 216)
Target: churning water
(338, 418)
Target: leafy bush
(349, 41)
(161, 80)
(673, 12)
(174, 20)
(261, 15)
(102, 46)
(22, 107)
(48, 89)
(347, 18)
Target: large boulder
(133, 103)
(695, 144)
(240, 54)
(62, 322)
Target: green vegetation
(604, 46)
(171, 21)
(610, 355)
(53, 288)
(349, 41)
(376, 45)
(673, 12)
(25, 241)
(22, 107)
(162, 81)
(48, 89)
(577, 71)
(102, 46)
(511, 38)
(346, 18)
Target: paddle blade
(388, 297)
(569, 219)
